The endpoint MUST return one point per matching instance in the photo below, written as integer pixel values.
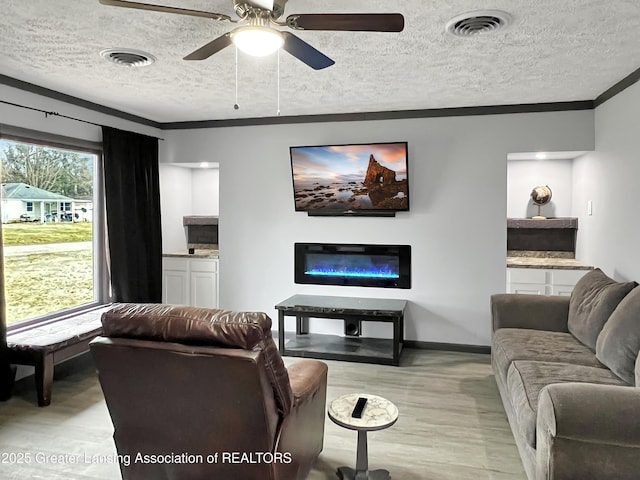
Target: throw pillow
(593, 300)
(619, 341)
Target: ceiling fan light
(257, 41)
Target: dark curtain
(132, 191)
(6, 372)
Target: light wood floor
(451, 426)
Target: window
(54, 262)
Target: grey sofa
(568, 372)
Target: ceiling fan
(257, 36)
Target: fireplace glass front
(355, 265)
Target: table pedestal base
(346, 473)
(362, 472)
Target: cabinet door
(175, 281)
(175, 287)
(563, 281)
(204, 283)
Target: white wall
(524, 175)
(610, 177)
(456, 226)
(175, 202)
(204, 195)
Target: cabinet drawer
(203, 265)
(526, 275)
(527, 288)
(171, 263)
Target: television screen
(351, 178)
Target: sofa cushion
(511, 344)
(619, 341)
(593, 300)
(526, 378)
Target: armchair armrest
(306, 377)
(301, 433)
(588, 431)
(538, 312)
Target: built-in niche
(556, 233)
(186, 189)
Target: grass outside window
(48, 267)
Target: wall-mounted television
(354, 179)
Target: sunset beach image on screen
(370, 176)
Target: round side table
(379, 413)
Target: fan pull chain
(235, 105)
(278, 110)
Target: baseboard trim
(450, 347)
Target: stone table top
(347, 305)
(379, 413)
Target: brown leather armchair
(200, 394)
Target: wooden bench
(44, 346)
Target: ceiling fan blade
(305, 52)
(210, 48)
(352, 22)
(161, 8)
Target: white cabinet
(190, 281)
(543, 281)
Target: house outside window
(55, 263)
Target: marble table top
(347, 305)
(379, 413)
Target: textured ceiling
(553, 51)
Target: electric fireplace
(386, 266)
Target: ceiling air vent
(128, 57)
(475, 23)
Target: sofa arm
(302, 431)
(587, 431)
(538, 312)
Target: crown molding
(390, 115)
(611, 92)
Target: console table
(336, 347)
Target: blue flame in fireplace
(352, 273)
(352, 265)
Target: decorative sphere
(541, 195)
